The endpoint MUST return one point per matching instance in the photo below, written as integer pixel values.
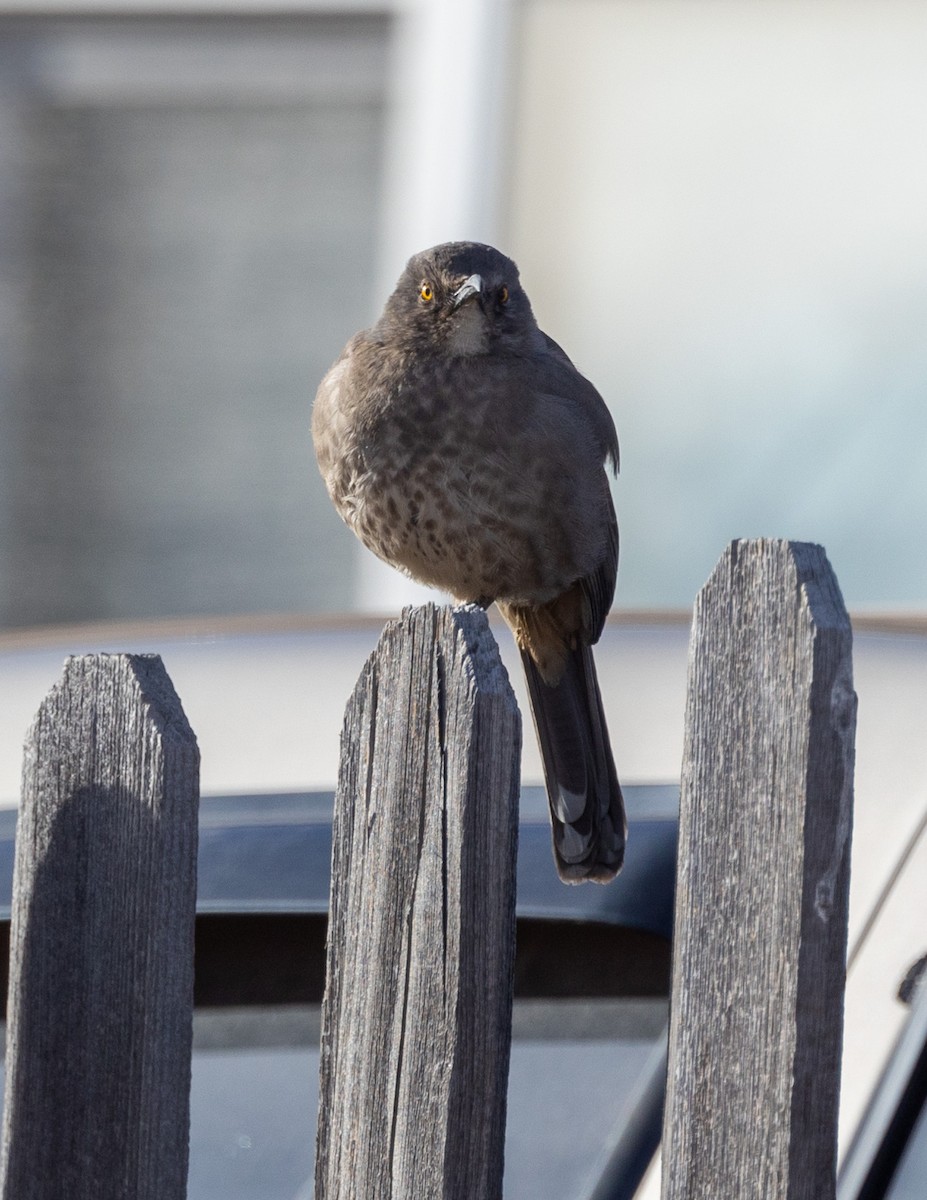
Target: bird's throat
(468, 334)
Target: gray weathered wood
(416, 1022)
(101, 958)
(763, 874)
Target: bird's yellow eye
(503, 295)
(426, 292)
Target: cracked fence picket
(416, 1022)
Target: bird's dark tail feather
(586, 806)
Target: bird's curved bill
(470, 287)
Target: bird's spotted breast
(428, 490)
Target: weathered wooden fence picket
(759, 947)
(417, 1013)
(99, 1015)
(416, 1022)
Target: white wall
(720, 210)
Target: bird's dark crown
(459, 260)
(429, 310)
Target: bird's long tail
(586, 806)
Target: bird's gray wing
(559, 375)
(599, 586)
(562, 376)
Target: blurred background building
(719, 208)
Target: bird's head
(460, 299)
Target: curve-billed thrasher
(463, 447)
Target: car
(592, 974)
(887, 1156)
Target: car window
(911, 1177)
(576, 1065)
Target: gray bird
(463, 447)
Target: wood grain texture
(763, 875)
(101, 959)
(416, 1022)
